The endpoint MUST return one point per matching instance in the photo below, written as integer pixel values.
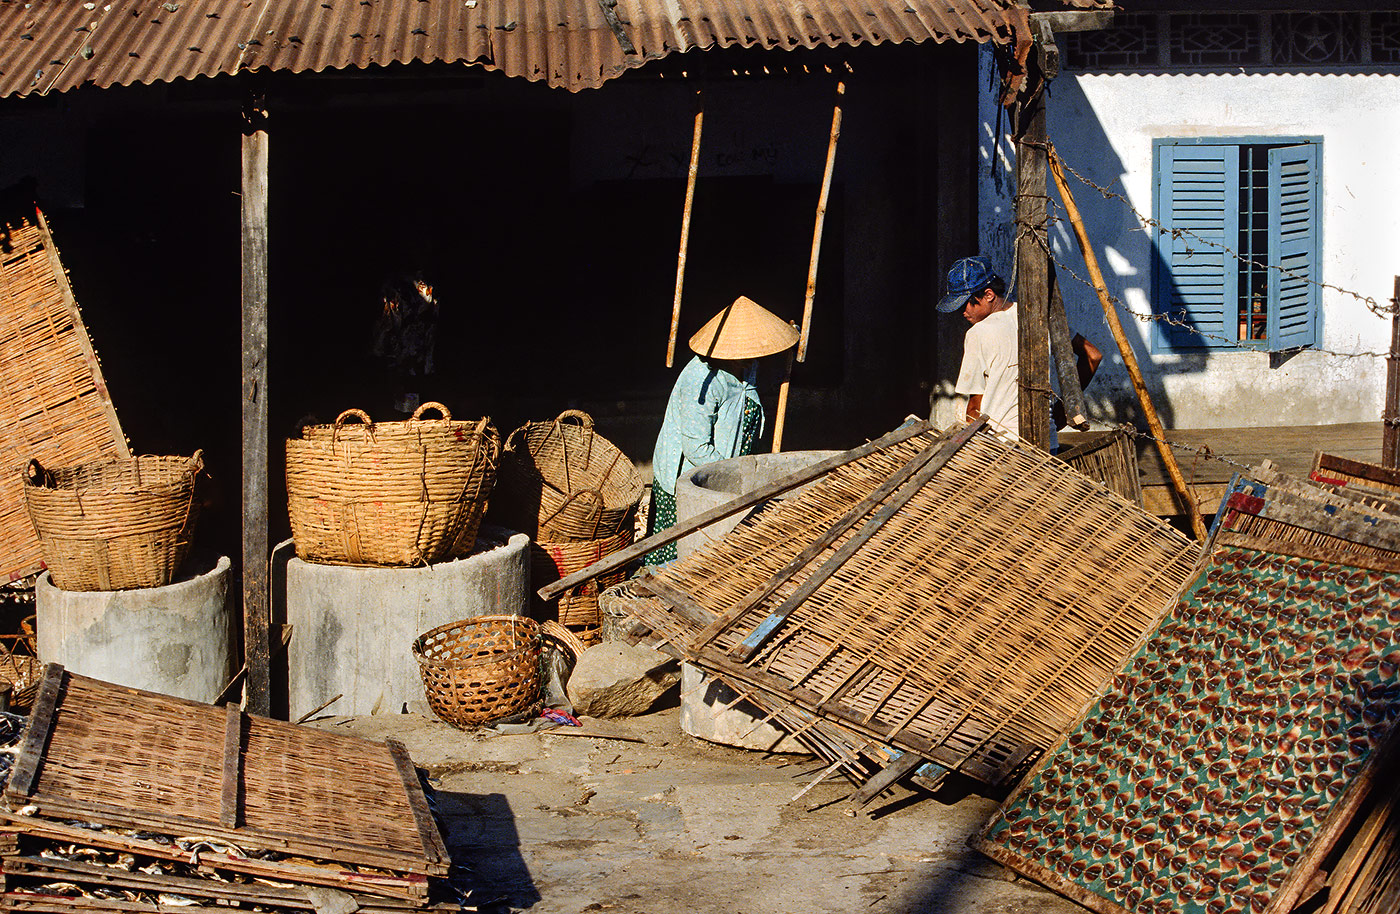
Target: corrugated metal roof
(56, 45)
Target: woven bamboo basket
(116, 524)
(20, 666)
(551, 561)
(390, 493)
(479, 670)
(561, 481)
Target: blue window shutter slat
(1197, 192)
(1294, 235)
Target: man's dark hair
(996, 284)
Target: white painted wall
(1104, 125)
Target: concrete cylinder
(353, 628)
(175, 639)
(714, 484)
(703, 711)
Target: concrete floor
(562, 825)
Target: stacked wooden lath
(121, 800)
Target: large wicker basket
(115, 524)
(551, 561)
(561, 481)
(390, 493)
(480, 670)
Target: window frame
(1164, 340)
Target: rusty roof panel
(56, 45)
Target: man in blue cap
(990, 373)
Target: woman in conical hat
(714, 412)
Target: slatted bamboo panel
(970, 627)
(53, 401)
(119, 756)
(1216, 770)
(1112, 460)
(1307, 515)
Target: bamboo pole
(1091, 261)
(685, 225)
(781, 419)
(821, 219)
(1390, 430)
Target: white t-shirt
(991, 367)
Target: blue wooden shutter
(1198, 190)
(1294, 236)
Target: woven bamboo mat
(1331, 467)
(1289, 512)
(54, 403)
(1219, 766)
(996, 593)
(121, 757)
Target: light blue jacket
(704, 422)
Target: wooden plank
(1032, 262)
(36, 738)
(407, 886)
(233, 767)
(433, 847)
(813, 549)
(905, 764)
(755, 640)
(1066, 364)
(1373, 472)
(679, 602)
(705, 518)
(253, 396)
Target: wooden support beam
(256, 545)
(1390, 432)
(1066, 364)
(1032, 291)
(885, 778)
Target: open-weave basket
(479, 670)
(390, 493)
(115, 524)
(551, 561)
(562, 481)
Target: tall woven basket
(115, 524)
(480, 670)
(390, 493)
(577, 606)
(562, 482)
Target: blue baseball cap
(967, 277)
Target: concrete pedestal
(714, 484)
(174, 639)
(706, 487)
(353, 628)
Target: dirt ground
(567, 824)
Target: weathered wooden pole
(821, 220)
(1390, 434)
(1032, 261)
(685, 224)
(256, 548)
(1110, 313)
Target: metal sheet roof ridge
(56, 45)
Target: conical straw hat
(744, 330)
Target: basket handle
(197, 461)
(355, 414)
(584, 420)
(553, 631)
(36, 475)
(431, 404)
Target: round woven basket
(561, 481)
(115, 524)
(390, 493)
(479, 670)
(551, 561)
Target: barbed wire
(1147, 222)
(1039, 235)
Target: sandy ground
(673, 824)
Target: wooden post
(1032, 263)
(821, 219)
(1390, 434)
(254, 399)
(1066, 365)
(781, 420)
(685, 224)
(1110, 313)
